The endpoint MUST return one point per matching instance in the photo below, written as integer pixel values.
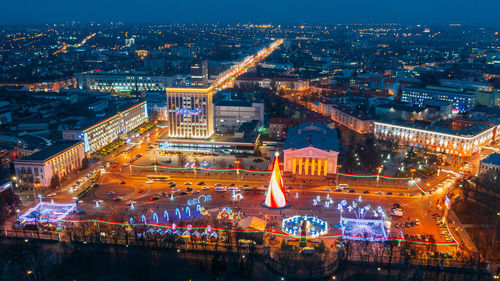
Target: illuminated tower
(275, 197)
(190, 113)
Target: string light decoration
(356, 226)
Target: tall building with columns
(190, 112)
(311, 149)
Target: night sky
(475, 12)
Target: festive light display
(314, 226)
(48, 212)
(173, 226)
(275, 197)
(360, 228)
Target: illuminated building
(199, 74)
(98, 135)
(275, 197)
(244, 141)
(353, 120)
(437, 137)
(460, 101)
(58, 159)
(97, 81)
(311, 149)
(190, 112)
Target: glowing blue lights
(314, 226)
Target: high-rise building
(190, 112)
(199, 74)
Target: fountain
(97, 204)
(296, 195)
(132, 206)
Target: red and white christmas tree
(275, 197)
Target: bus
(158, 177)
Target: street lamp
(237, 163)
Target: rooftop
(50, 151)
(441, 127)
(94, 121)
(312, 134)
(492, 159)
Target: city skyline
(276, 12)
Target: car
(183, 193)
(338, 190)
(138, 156)
(289, 187)
(327, 189)
(149, 181)
(95, 185)
(201, 183)
(126, 164)
(366, 192)
(343, 186)
(401, 194)
(171, 182)
(245, 185)
(411, 194)
(195, 191)
(189, 189)
(172, 185)
(140, 190)
(117, 198)
(122, 182)
(417, 222)
(77, 183)
(51, 194)
(110, 193)
(90, 174)
(130, 202)
(351, 191)
(220, 189)
(232, 184)
(379, 192)
(205, 188)
(388, 193)
(175, 189)
(188, 183)
(153, 198)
